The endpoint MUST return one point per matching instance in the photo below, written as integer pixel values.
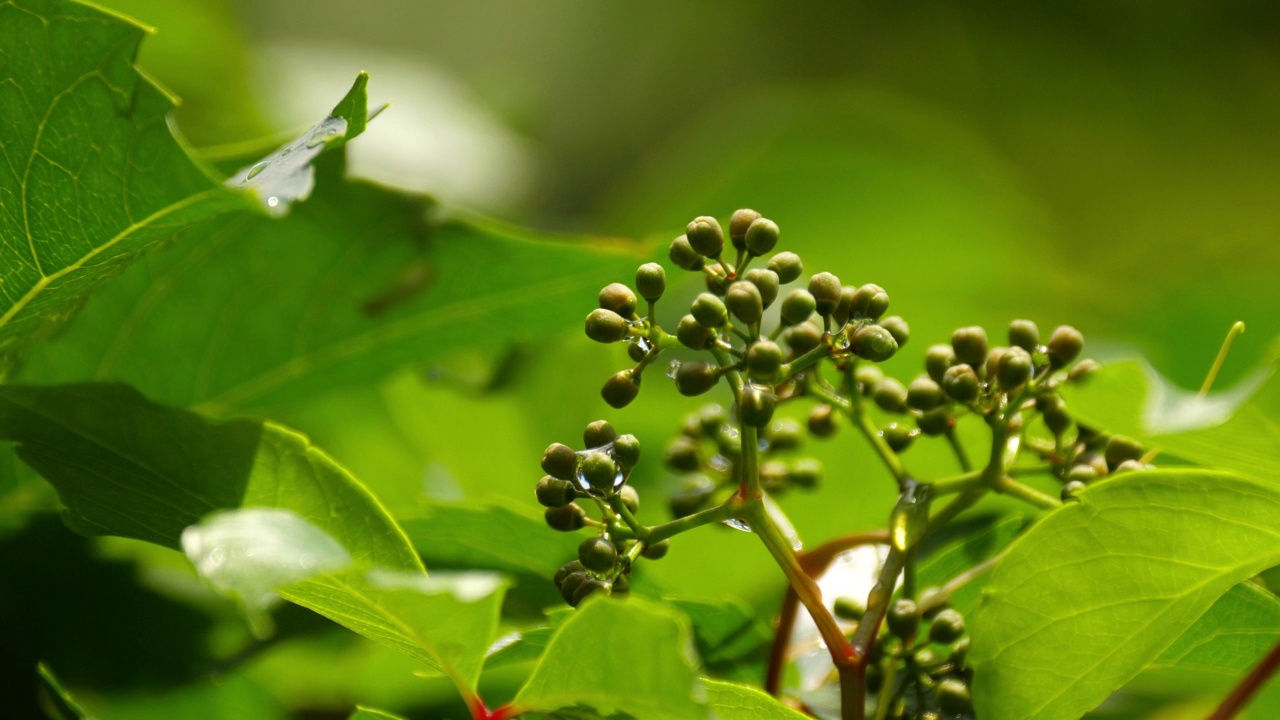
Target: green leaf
(980, 543)
(632, 656)
(1099, 589)
(490, 536)
(364, 713)
(1232, 636)
(57, 701)
(1235, 430)
(731, 701)
(724, 630)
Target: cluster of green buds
(596, 475)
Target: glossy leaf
(1099, 589)
(731, 701)
(592, 661)
(724, 630)
(490, 536)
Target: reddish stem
(502, 712)
(1249, 686)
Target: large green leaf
(488, 535)
(612, 656)
(1233, 635)
(732, 701)
(1099, 589)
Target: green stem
(887, 455)
(958, 483)
(730, 508)
(750, 437)
(624, 512)
(805, 361)
(1008, 486)
(961, 456)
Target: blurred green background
(1115, 166)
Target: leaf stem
(728, 509)
(1249, 686)
(1236, 330)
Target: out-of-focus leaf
(1231, 636)
(980, 545)
(724, 630)
(490, 536)
(731, 701)
(364, 713)
(229, 698)
(1099, 589)
(57, 701)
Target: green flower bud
(898, 437)
(705, 236)
(762, 236)
(1057, 419)
(1120, 449)
(991, 368)
(657, 550)
(825, 289)
(560, 461)
(1082, 473)
(1073, 488)
(684, 256)
(694, 335)
(570, 584)
(636, 350)
(630, 497)
(745, 302)
(970, 344)
(597, 554)
(715, 280)
(1014, 369)
(738, 225)
(598, 434)
(868, 377)
(692, 496)
(923, 393)
(807, 473)
(764, 361)
(695, 378)
(756, 405)
(822, 421)
(588, 586)
(620, 389)
(773, 476)
(937, 359)
(870, 301)
(620, 587)
(605, 326)
(626, 451)
(1131, 466)
(784, 434)
(890, 395)
(683, 455)
(798, 306)
(787, 265)
(849, 608)
(569, 568)
(947, 627)
(844, 307)
(712, 417)
(953, 697)
(1094, 460)
(898, 328)
(903, 619)
(599, 470)
(651, 281)
(959, 652)
(803, 337)
(1083, 370)
(709, 310)
(874, 343)
(554, 492)
(618, 298)
(961, 383)
(1065, 345)
(565, 519)
(936, 422)
(1024, 334)
(766, 281)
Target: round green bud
(850, 608)
(1024, 334)
(683, 254)
(923, 393)
(1082, 473)
(798, 306)
(692, 496)
(626, 451)
(762, 236)
(573, 566)
(970, 344)
(787, 265)
(873, 343)
(1065, 345)
(766, 281)
(1057, 419)
(936, 421)
(764, 360)
(953, 697)
(693, 334)
(1083, 370)
(825, 289)
(844, 307)
(738, 225)
(565, 519)
(620, 389)
(712, 417)
(1131, 465)
(695, 378)
(599, 471)
(784, 434)
(651, 281)
(755, 407)
(807, 473)
(898, 437)
(773, 476)
(898, 328)
(715, 280)
(868, 376)
(554, 492)
(588, 586)
(961, 383)
(570, 584)
(705, 236)
(947, 627)
(870, 301)
(745, 302)
(822, 421)
(937, 359)
(630, 497)
(1121, 448)
(709, 310)
(990, 369)
(959, 652)
(1096, 460)
(597, 554)
(618, 298)
(560, 461)
(683, 455)
(598, 434)
(605, 326)
(803, 337)
(1072, 488)
(637, 350)
(1014, 369)
(657, 550)
(903, 619)
(890, 395)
